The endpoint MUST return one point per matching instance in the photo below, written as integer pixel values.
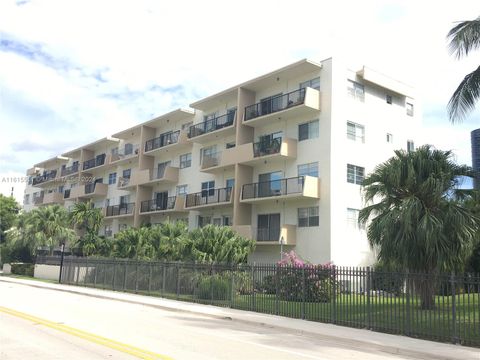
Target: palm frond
(464, 38)
(465, 96)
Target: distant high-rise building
(475, 136)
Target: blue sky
(73, 71)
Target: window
(355, 174)
(112, 178)
(185, 160)
(313, 83)
(182, 189)
(127, 173)
(388, 99)
(208, 188)
(356, 90)
(409, 108)
(310, 169)
(230, 145)
(108, 230)
(227, 220)
(27, 199)
(355, 132)
(204, 220)
(308, 130)
(410, 145)
(352, 219)
(230, 183)
(208, 152)
(161, 169)
(122, 227)
(124, 199)
(209, 117)
(308, 217)
(389, 138)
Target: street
(45, 324)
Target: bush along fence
(442, 307)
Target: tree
(87, 217)
(417, 219)
(463, 38)
(171, 241)
(134, 243)
(9, 210)
(48, 226)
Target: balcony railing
(70, 170)
(122, 209)
(47, 176)
(126, 152)
(268, 147)
(123, 181)
(212, 125)
(97, 161)
(167, 203)
(273, 188)
(207, 197)
(161, 141)
(211, 160)
(90, 188)
(38, 200)
(274, 104)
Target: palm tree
(87, 217)
(463, 38)
(171, 241)
(49, 226)
(417, 220)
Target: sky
(74, 71)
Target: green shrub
(25, 269)
(215, 287)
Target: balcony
(213, 128)
(305, 101)
(53, 198)
(66, 194)
(122, 210)
(47, 176)
(91, 190)
(166, 141)
(167, 174)
(291, 188)
(95, 162)
(212, 197)
(70, 170)
(125, 183)
(128, 152)
(269, 236)
(38, 200)
(170, 204)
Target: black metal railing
(273, 188)
(440, 307)
(268, 233)
(212, 125)
(122, 209)
(274, 104)
(70, 170)
(167, 203)
(90, 188)
(267, 147)
(96, 161)
(46, 176)
(206, 197)
(161, 141)
(66, 194)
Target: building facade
(280, 158)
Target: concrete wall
(48, 272)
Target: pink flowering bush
(297, 279)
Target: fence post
(254, 305)
(407, 294)
(334, 295)
(86, 271)
(125, 276)
(136, 276)
(178, 280)
(114, 273)
(368, 290)
(149, 277)
(277, 289)
(78, 272)
(303, 293)
(95, 275)
(454, 310)
(163, 278)
(232, 295)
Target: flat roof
(57, 160)
(174, 115)
(107, 139)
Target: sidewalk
(348, 337)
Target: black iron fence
(441, 307)
(46, 176)
(122, 209)
(210, 125)
(69, 170)
(206, 197)
(161, 141)
(96, 161)
(267, 147)
(278, 187)
(159, 204)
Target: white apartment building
(280, 158)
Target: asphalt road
(45, 324)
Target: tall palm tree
(87, 217)
(463, 38)
(49, 226)
(417, 221)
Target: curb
(351, 343)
